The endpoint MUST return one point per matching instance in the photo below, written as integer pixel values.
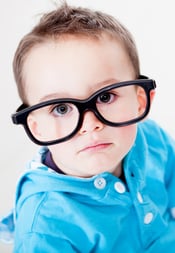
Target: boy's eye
(105, 97)
(61, 109)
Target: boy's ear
(143, 100)
(152, 94)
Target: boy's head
(76, 76)
(74, 21)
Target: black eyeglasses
(58, 120)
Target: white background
(152, 25)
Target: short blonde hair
(70, 20)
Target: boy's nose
(90, 123)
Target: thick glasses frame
(89, 104)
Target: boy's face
(76, 68)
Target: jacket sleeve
(170, 172)
(37, 243)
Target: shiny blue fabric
(59, 213)
(7, 228)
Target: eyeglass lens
(118, 105)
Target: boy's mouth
(95, 147)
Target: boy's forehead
(74, 67)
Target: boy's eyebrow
(95, 88)
(52, 96)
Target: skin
(76, 68)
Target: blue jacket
(59, 213)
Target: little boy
(104, 178)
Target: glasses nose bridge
(88, 105)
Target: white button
(173, 212)
(148, 218)
(119, 187)
(100, 183)
(139, 197)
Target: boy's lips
(95, 147)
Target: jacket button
(173, 212)
(148, 218)
(139, 197)
(119, 187)
(100, 183)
